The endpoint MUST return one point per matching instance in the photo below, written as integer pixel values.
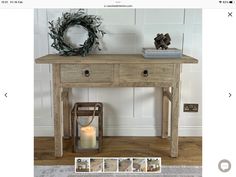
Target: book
(169, 53)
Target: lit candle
(88, 137)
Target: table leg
(165, 113)
(58, 130)
(174, 120)
(66, 113)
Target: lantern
(87, 136)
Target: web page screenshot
(117, 88)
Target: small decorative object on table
(85, 136)
(91, 23)
(162, 42)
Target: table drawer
(146, 72)
(87, 73)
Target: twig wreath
(91, 23)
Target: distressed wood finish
(116, 71)
(165, 113)
(168, 94)
(116, 74)
(119, 84)
(175, 115)
(155, 73)
(58, 130)
(112, 59)
(66, 113)
(97, 73)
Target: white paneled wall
(128, 111)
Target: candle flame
(88, 128)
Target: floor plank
(190, 150)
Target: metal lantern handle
(94, 111)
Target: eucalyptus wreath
(90, 22)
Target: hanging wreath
(91, 24)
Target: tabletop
(111, 59)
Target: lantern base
(79, 148)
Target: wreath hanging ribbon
(90, 22)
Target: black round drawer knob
(145, 73)
(86, 73)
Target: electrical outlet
(190, 107)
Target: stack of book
(168, 53)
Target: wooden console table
(115, 71)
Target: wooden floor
(190, 150)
